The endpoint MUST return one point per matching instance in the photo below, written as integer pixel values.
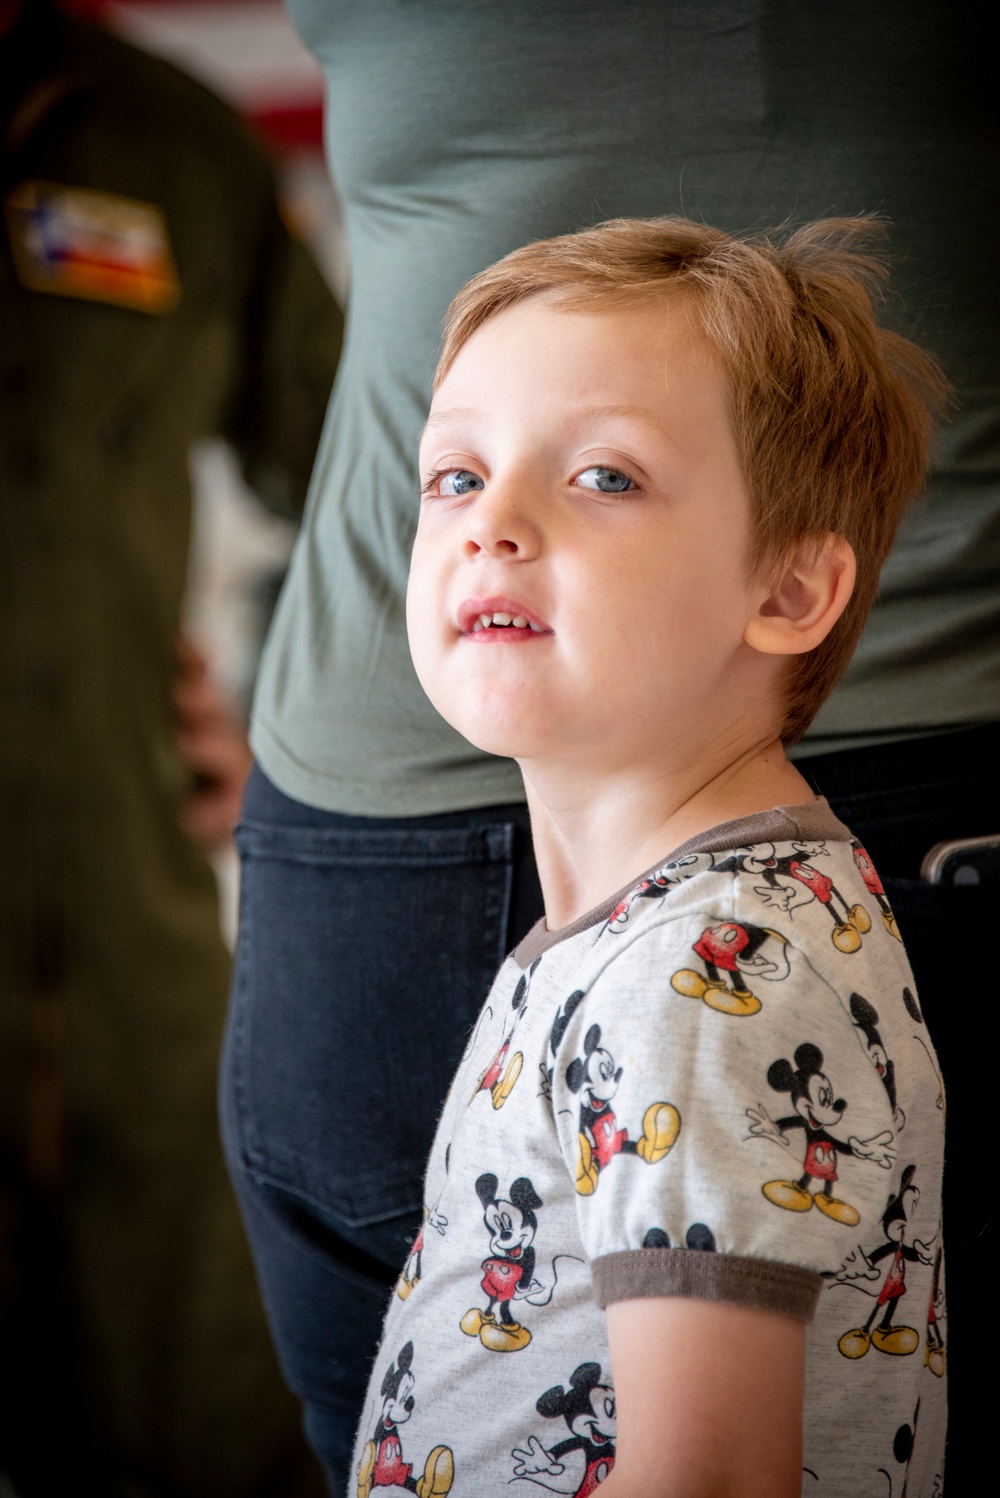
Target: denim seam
(354, 1212)
(418, 849)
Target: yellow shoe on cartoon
(503, 1336)
(889, 921)
(404, 1286)
(838, 1211)
(738, 1001)
(934, 1358)
(854, 1344)
(661, 1124)
(439, 1474)
(502, 1089)
(366, 1469)
(586, 1167)
(689, 983)
(860, 919)
(473, 1321)
(788, 1194)
(898, 1340)
(845, 938)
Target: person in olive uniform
(150, 295)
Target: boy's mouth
(491, 619)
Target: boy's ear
(807, 598)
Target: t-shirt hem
(697, 1274)
(459, 787)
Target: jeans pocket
(363, 958)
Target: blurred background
(171, 272)
(247, 52)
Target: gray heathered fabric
(687, 1099)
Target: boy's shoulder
(787, 894)
(761, 867)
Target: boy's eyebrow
(616, 410)
(450, 413)
(442, 418)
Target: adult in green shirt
(150, 296)
(457, 131)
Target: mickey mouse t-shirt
(717, 1085)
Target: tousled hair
(832, 413)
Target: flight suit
(150, 295)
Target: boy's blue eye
(460, 481)
(606, 480)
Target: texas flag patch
(71, 241)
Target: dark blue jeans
(366, 948)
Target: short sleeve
(727, 1135)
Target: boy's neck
(594, 832)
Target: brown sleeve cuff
(699, 1274)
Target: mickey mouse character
(782, 872)
(865, 1016)
(886, 1337)
(588, 1408)
(595, 1077)
(511, 1224)
(697, 1236)
(412, 1270)
(902, 1449)
(873, 884)
(659, 884)
(499, 1077)
(903, 1443)
(934, 1350)
(559, 1026)
(816, 1111)
(382, 1464)
(732, 948)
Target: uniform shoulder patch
(72, 241)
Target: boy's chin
(497, 732)
(499, 719)
(496, 739)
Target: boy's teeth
(503, 621)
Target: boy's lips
(500, 618)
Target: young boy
(683, 1229)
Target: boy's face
(580, 474)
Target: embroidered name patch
(71, 241)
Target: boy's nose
(501, 546)
(500, 526)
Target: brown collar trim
(782, 824)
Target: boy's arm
(709, 1400)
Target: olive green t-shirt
(459, 129)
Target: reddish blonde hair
(832, 413)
